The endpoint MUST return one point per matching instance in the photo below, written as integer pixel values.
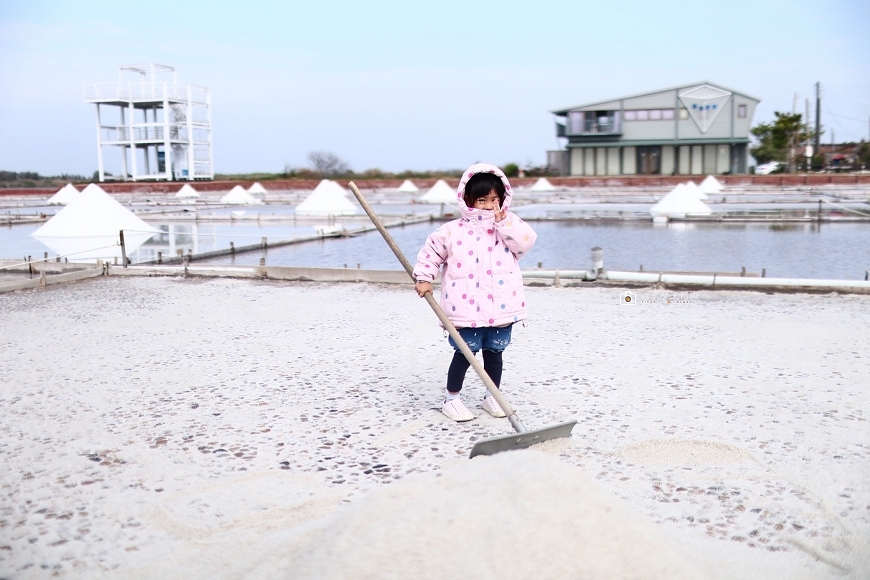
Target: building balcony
(593, 124)
(143, 92)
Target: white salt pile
(65, 195)
(408, 187)
(328, 198)
(257, 189)
(441, 192)
(238, 196)
(514, 515)
(542, 184)
(187, 190)
(695, 190)
(680, 202)
(679, 452)
(88, 228)
(711, 185)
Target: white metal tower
(162, 129)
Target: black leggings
(492, 363)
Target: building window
(684, 114)
(649, 115)
(589, 124)
(741, 111)
(575, 122)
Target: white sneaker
(491, 406)
(456, 410)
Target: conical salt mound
(187, 190)
(328, 198)
(711, 185)
(257, 188)
(238, 196)
(91, 222)
(440, 193)
(542, 185)
(679, 203)
(408, 187)
(65, 194)
(695, 190)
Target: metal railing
(593, 123)
(144, 133)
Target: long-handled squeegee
(523, 438)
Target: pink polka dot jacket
(481, 284)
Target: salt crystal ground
(227, 429)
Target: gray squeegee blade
(521, 440)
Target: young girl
(481, 287)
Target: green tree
(777, 140)
(511, 170)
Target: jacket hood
(471, 172)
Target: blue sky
(402, 85)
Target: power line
(842, 127)
(844, 116)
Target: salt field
(794, 250)
(172, 428)
(569, 224)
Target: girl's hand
(499, 214)
(422, 287)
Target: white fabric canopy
(679, 203)
(187, 190)
(408, 187)
(440, 193)
(92, 221)
(328, 198)
(711, 185)
(238, 196)
(542, 185)
(65, 194)
(257, 188)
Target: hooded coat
(481, 284)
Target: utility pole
(816, 149)
(808, 148)
(792, 159)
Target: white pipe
(547, 274)
(697, 280)
(795, 282)
(715, 280)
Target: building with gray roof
(695, 129)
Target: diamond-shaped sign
(704, 103)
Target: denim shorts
(491, 338)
